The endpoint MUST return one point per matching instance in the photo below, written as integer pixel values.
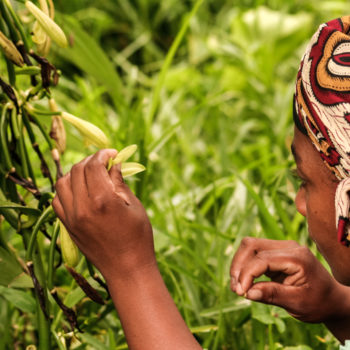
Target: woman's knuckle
(248, 241)
(81, 216)
(100, 203)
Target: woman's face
(315, 201)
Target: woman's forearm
(339, 323)
(148, 314)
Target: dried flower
(57, 132)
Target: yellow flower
(127, 169)
(92, 134)
(122, 156)
(47, 24)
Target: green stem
(11, 72)
(43, 329)
(13, 31)
(36, 148)
(18, 25)
(3, 139)
(51, 267)
(30, 168)
(22, 152)
(47, 212)
(3, 242)
(34, 110)
(28, 70)
(9, 214)
(43, 322)
(14, 123)
(42, 130)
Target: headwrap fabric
(322, 107)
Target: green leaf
(95, 343)
(11, 273)
(261, 313)
(86, 53)
(204, 329)
(21, 281)
(111, 339)
(272, 229)
(281, 326)
(20, 299)
(231, 307)
(265, 314)
(74, 297)
(21, 208)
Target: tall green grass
(208, 100)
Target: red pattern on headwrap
(322, 104)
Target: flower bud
(92, 134)
(129, 169)
(122, 156)
(70, 252)
(39, 35)
(10, 50)
(49, 26)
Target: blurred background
(208, 100)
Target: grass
(210, 108)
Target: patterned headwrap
(322, 108)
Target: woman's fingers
(288, 263)
(274, 294)
(248, 249)
(64, 193)
(57, 206)
(98, 181)
(78, 182)
(120, 188)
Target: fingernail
(254, 294)
(233, 284)
(239, 289)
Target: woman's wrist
(130, 270)
(338, 320)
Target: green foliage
(213, 120)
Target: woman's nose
(300, 201)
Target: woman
(111, 228)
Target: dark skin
(111, 228)
(299, 283)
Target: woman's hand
(299, 283)
(110, 226)
(104, 218)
